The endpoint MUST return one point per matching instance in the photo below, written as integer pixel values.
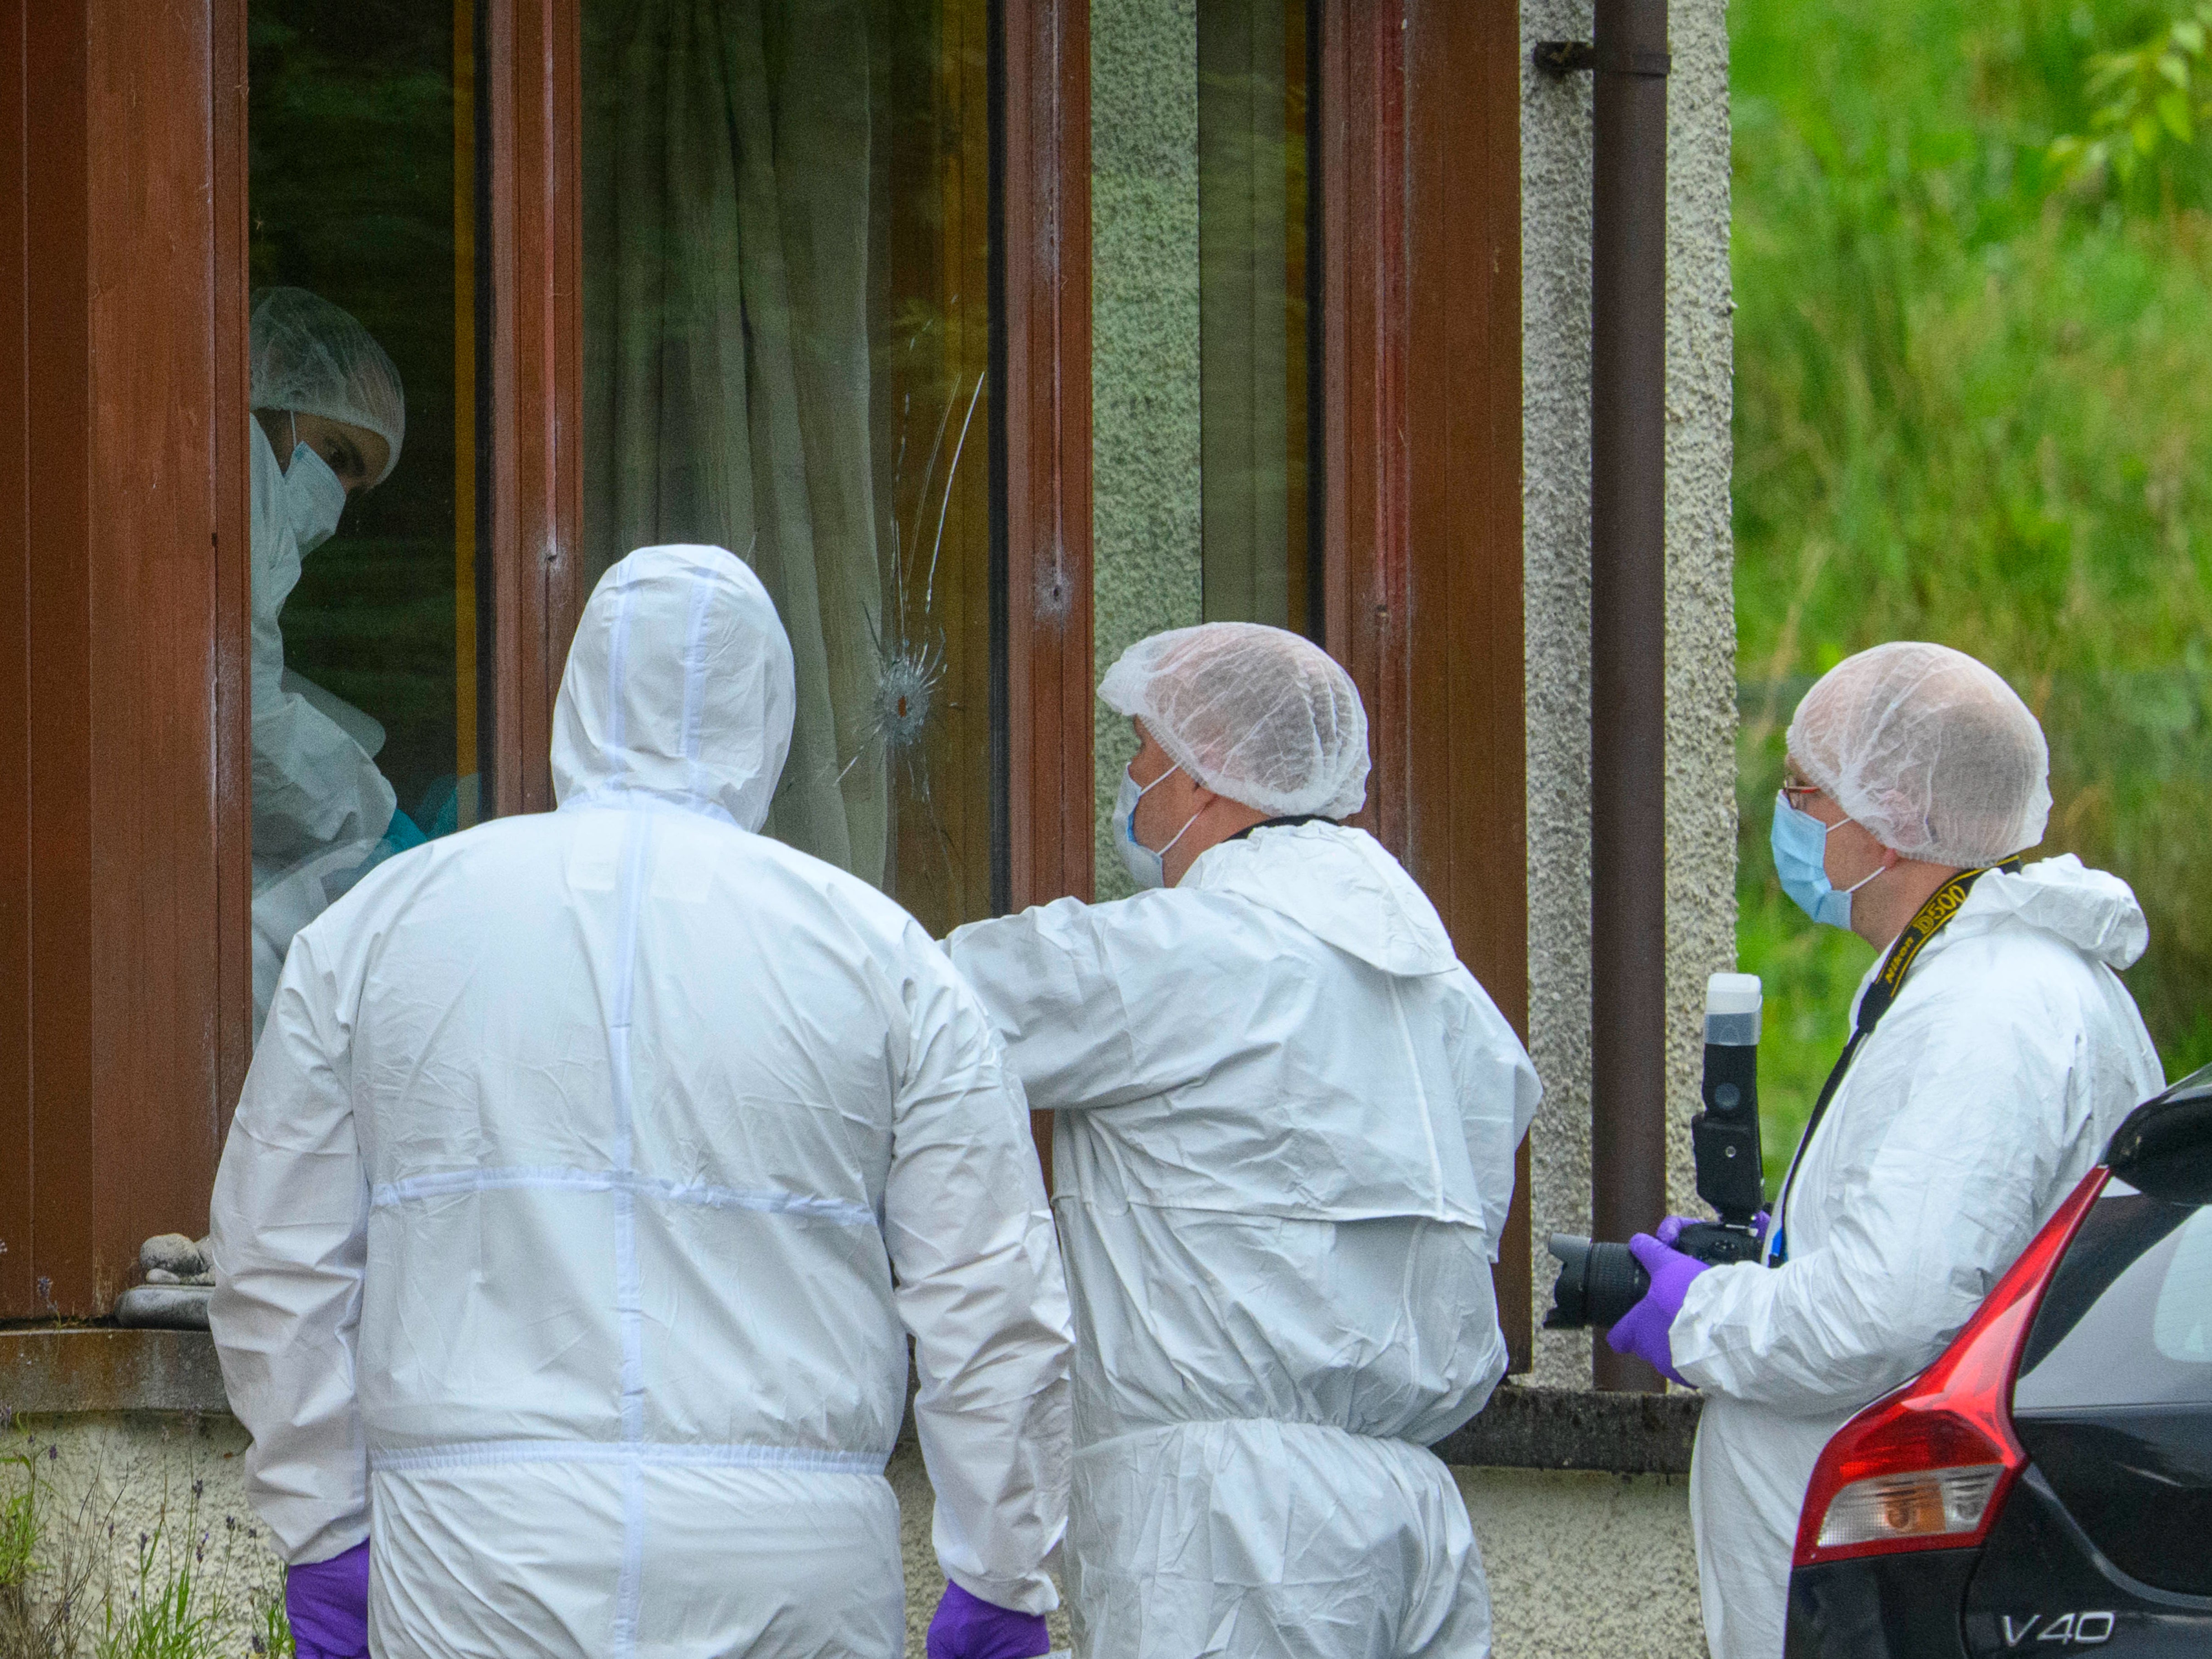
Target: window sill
(63, 1370)
(1524, 1428)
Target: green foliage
(2151, 97)
(273, 1637)
(169, 1614)
(19, 1528)
(1973, 406)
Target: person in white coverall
(589, 1177)
(1283, 1156)
(2003, 1053)
(329, 416)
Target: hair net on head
(1257, 713)
(311, 357)
(1929, 750)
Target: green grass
(1973, 404)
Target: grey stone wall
(1144, 364)
(1555, 163)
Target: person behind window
(329, 414)
(588, 1180)
(1995, 1052)
(1283, 1158)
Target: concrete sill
(1524, 1428)
(58, 1370)
(66, 1371)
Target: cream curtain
(726, 293)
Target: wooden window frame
(1420, 180)
(125, 857)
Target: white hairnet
(311, 357)
(1257, 713)
(1929, 750)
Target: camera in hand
(1599, 1282)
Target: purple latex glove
(1642, 1330)
(968, 1627)
(1671, 1228)
(327, 1602)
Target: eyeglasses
(1792, 791)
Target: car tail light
(1928, 1466)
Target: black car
(2046, 1485)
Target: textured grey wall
(1144, 367)
(1555, 151)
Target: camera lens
(1598, 1283)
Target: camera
(1599, 1282)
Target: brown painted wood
(1420, 150)
(1046, 406)
(118, 548)
(1045, 197)
(534, 53)
(17, 1147)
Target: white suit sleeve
(1923, 1225)
(1077, 994)
(289, 1224)
(1498, 1095)
(980, 1287)
(313, 786)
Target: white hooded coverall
(589, 1175)
(1283, 1159)
(319, 803)
(1989, 1087)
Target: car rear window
(2127, 1320)
(2181, 1323)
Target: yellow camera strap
(1903, 950)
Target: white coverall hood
(592, 1172)
(1283, 1156)
(1367, 907)
(679, 687)
(2009, 1057)
(2091, 910)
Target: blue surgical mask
(313, 497)
(1800, 859)
(1145, 867)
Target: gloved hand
(1671, 1228)
(327, 1602)
(968, 1627)
(1642, 1329)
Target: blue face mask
(314, 496)
(1800, 859)
(1146, 868)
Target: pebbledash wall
(171, 1475)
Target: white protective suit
(2007, 1059)
(1283, 1159)
(589, 1174)
(320, 806)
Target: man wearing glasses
(1993, 1051)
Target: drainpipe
(1628, 635)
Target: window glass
(1204, 261)
(1254, 342)
(2127, 1320)
(362, 203)
(2181, 1322)
(787, 346)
